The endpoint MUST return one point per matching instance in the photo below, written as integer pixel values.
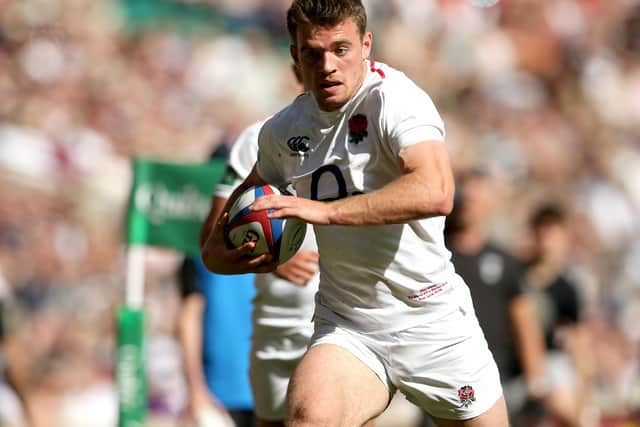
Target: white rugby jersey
(374, 278)
(278, 303)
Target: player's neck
(543, 271)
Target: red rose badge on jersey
(358, 128)
(466, 396)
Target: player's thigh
(496, 416)
(332, 387)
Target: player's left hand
(300, 268)
(218, 257)
(310, 211)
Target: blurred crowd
(545, 95)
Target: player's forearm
(410, 197)
(190, 333)
(425, 189)
(529, 342)
(220, 205)
(579, 344)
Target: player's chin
(331, 103)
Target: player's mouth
(330, 86)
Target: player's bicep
(428, 164)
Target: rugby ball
(280, 237)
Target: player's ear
(293, 51)
(367, 42)
(296, 72)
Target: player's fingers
(224, 218)
(298, 280)
(222, 222)
(301, 283)
(283, 212)
(264, 202)
(259, 260)
(272, 202)
(308, 271)
(309, 257)
(243, 250)
(304, 270)
(267, 265)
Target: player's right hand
(219, 258)
(300, 268)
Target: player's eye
(341, 51)
(310, 55)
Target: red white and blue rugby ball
(280, 237)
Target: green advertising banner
(130, 372)
(170, 201)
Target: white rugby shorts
(274, 356)
(445, 367)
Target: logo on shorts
(466, 396)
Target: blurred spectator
(497, 283)
(214, 327)
(16, 401)
(217, 374)
(215, 330)
(569, 369)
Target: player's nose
(328, 63)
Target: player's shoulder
(250, 133)
(254, 128)
(389, 80)
(389, 88)
(289, 116)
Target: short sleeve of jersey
(409, 115)
(242, 157)
(267, 164)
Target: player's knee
(302, 415)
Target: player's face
(477, 198)
(553, 241)
(331, 61)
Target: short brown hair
(325, 13)
(550, 213)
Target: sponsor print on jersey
(428, 292)
(299, 145)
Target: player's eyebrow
(342, 42)
(334, 44)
